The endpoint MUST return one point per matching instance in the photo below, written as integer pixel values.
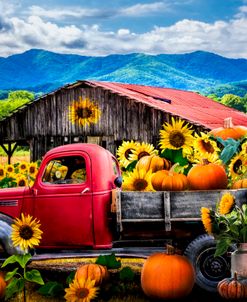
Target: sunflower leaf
(228, 152)
(16, 285)
(34, 276)
(9, 260)
(175, 156)
(51, 289)
(109, 261)
(10, 275)
(131, 166)
(126, 274)
(23, 259)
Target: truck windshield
(65, 170)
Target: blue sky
(99, 28)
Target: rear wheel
(209, 269)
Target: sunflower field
(179, 153)
(20, 174)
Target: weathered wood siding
(45, 122)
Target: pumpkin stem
(235, 276)
(170, 250)
(228, 123)
(173, 167)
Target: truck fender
(209, 269)
(5, 236)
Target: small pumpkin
(153, 162)
(232, 288)
(167, 275)
(207, 176)
(94, 271)
(164, 180)
(229, 130)
(2, 285)
(239, 184)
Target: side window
(65, 170)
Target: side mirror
(118, 181)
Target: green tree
(234, 101)
(15, 99)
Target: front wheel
(209, 269)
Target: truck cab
(71, 197)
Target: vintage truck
(78, 200)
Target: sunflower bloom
(10, 168)
(124, 151)
(26, 232)
(2, 172)
(226, 204)
(82, 290)
(84, 112)
(23, 166)
(238, 166)
(21, 181)
(203, 144)
(177, 135)
(206, 220)
(142, 149)
(138, 180)
(210, 157)
(32, 169)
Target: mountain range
(43, 71)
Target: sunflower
(210, 157)
(238, 166)
(226, 204)
(9, 168)
(26, 232)
(207, 220)
(142, 149)
(124, 151)
(244, 147)
(176, 135)
(138, 180)
(21, 181)
(81, 290)
(33, 169)
(2, 172)
(23, 166)
(203, 144)
(84, 112)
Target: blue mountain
(40, 70)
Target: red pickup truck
(77, 199)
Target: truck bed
(167, 207)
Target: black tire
(209, 269)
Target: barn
(107, 113)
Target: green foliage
(18, 278)
(109, 261)
(15, 100)
(51, 289)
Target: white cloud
(242, 12)
(143, 9)
(225, 38)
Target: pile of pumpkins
(204, 176)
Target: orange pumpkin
(207, 176)
(164, 180)
(167, 275)
(94, 271)
(2, 285)
(232, 288)
(229, 130)
(153, 162)
(241, 183)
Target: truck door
(63, 201)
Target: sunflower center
(143, 153)
(31, 170)
(82, 293)
(237, 165)
(10, 170)
(207, 146)
(84, 112)
(1, 172)
(140, 184)
(176, 139)
(127, 153)
(22, 183)
(26, 232)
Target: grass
(19, 155)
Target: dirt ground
(14, 159)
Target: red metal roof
(188, 105)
